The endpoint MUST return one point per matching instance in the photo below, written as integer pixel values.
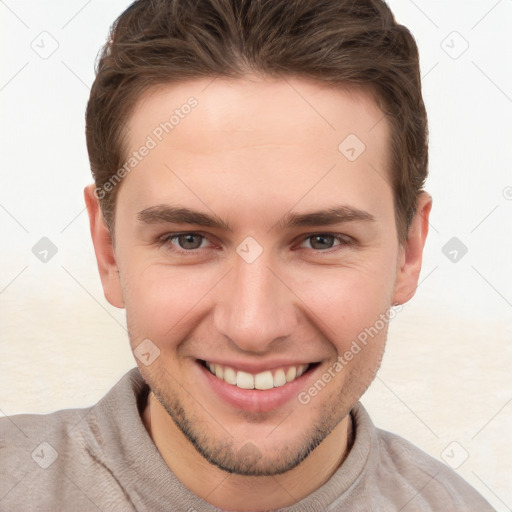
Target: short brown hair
(336, 41)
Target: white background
(446, 376)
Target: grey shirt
(102, 458)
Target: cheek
(344, 302)
(161, 300)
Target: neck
(237, 492)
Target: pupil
(187, 241)
(325, 241)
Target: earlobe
(104, 249)
(411, 252)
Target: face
(250, 254)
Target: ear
(104, 249)
(411, 252)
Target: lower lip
(255, 400)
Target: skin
(252, 151)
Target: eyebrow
(182, 215)
(326, 217)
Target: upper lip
(258, 367)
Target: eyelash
(344, 241)
(166, 240)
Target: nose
(256, 307)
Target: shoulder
(38, 437)
(35, 451)
(63, 457)
(419, 481)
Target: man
(257, 210)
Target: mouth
(253, 387)
(263, 380)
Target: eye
(189, 241)
(184, 242)
(324, 241)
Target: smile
(264, 380)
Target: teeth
(301, 369)
(229, 376)
(279, 378)
(291, 373)
(263, 380)
(245, 380)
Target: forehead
(257, 109)
(270, 137)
